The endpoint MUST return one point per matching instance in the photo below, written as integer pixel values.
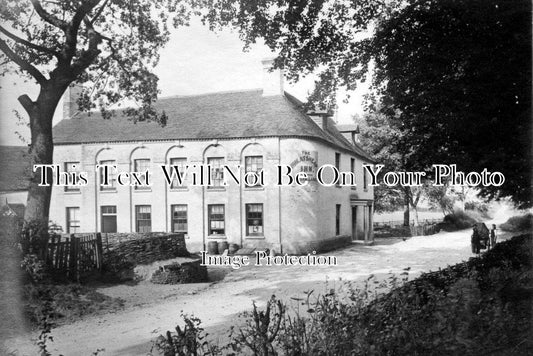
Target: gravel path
(153, 309)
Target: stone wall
(143, 248)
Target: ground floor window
(73, 220)
(143, 218)
(109, 218)
(179, 218)
(338, 219)
(216, 219)
(254, 219)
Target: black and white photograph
(266, 177)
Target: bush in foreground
(482, 306)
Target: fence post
(73, 256)
(99, 251)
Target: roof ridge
(13, 146)
(178, 96)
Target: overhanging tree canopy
(111, 45)
(457, 72)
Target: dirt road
(153, 309)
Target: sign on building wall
(307, 162)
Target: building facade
(248, 131)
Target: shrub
(191, 340)
(34, 268)
(518, 223)
(481, 207)
(460, 220)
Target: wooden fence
(396, 228)
(394, 223)
(74, 255)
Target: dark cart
(484, 235)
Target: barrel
(233, 248)
(212, 247)
(222, 246)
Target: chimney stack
(70, 105)
(320, 118)
(272, 80)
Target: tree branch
(88, 56)
(46, 16)
(71, 32)
(26, 103)
(99, 12)
(22, 63)
(28, 43)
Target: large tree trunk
(415, 215)
(406, 217)
(41, 113)
(41, 152)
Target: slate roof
(348, 128)
(243, 114)
(15, 169)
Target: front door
(354, 223)
(109, 223)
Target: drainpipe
(203, 218)
(240, 206)
(279, 200)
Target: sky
(195, 61)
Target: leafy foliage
(186, 341)
(111, 46)
(454, 77)
(518, 223)
(261, 329)
(457, 76)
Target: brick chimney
(272, 80)
(70, 105)
(320, 118)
